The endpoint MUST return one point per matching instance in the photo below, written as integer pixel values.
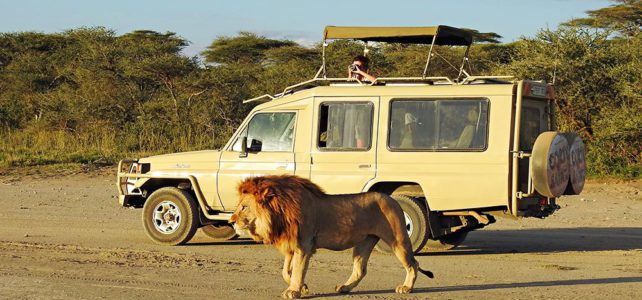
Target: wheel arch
(408, 188)
(187, 183)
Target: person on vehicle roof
(359, 69)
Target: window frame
(389, 132)
(325, 149)
(246, 125)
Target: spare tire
(577, 167)
(550, 163)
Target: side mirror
(256, 145)
(243, 147)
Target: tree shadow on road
(493, 286)
(547, 240)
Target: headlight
(135, 168)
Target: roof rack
(318, 81)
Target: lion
(297, 217)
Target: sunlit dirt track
(68, 238)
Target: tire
(219, 232)
(447, 242)
(416, 224)
(170, 216)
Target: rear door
(343, 151)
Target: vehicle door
(343, 152)
(270, 137)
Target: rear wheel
(416, 221)
(170, 216)
(219, 232)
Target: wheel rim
(409, 225)
(167, 217)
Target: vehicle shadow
(239, 241)
(493, 286)
(547, 240)
(520, 241)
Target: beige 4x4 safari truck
(453, 152)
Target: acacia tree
(624, 17)
(597, 90)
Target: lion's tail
(426, 272)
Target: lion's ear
(264, 193)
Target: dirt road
(68, 238)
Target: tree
(597, 91)
(484, 37)
(625, 17)
(244, 48)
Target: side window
(345, 126)
(438, 124)
(412, 125)
(268, 132)
(462, 124)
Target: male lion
(297, 217)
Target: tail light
(543, 201)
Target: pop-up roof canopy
(442, 35)
(434, 35)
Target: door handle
(365, 166)
(282, 167)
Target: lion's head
(269, 207)
(245, 215)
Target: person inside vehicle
(465, 139)
(359, 69)
(409, 130)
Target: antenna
(555, 64)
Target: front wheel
(170, 216)
(416, 224)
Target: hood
(206, 160)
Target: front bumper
(127, 182)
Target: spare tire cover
(577, 167)
(550, 162)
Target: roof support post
(323, 59)
(463, 63)
(434, 38)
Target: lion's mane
(278, 200)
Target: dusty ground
(68, 238)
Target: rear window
(534, 120)
(438, 125)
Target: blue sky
(201, 21)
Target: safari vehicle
(454, 152)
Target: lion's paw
(343, 289)
(402, 289)
(290, 294)
(305, 290)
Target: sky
(200, 21)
